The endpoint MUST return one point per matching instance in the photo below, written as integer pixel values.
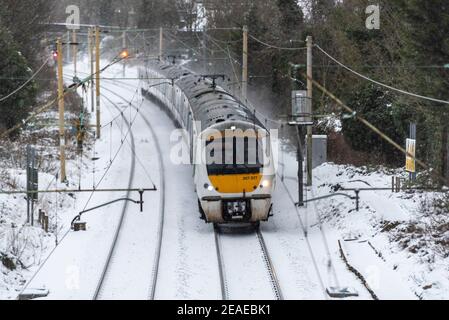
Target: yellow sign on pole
(410, 163)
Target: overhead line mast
(97, 79)
(245, 64)
(61, 110)
(310, 97)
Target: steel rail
(155, 271)
(270, 267)
(221, 265)
(104, 272)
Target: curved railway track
(274, 282)
(263, 250)
(104, 273)
(155, 270)
(226, 292)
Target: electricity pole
(68, 41)
(161, 43)
(309, 96)
(206, 62)
(61, 111)
(91, 50)
(144, 38)
(75, 51)
(97, 78)
(245, 64)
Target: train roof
(210, 105)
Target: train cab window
(236, 155)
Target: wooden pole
(161, 43)
(97, 78)
(245, 64)
(61, 111)
(309, 96)
(68, 41)
(92, 59)
(75, 51)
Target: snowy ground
(397, 264)
(394, 269)
(23, 247)
(303, 243)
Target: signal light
(124, 54)
(55, 54)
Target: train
(230, 149)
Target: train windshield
(234, 155)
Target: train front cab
(235, 185)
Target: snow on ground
(392, 270)
(22, 247)
(187, 267)
(303, 243)
(73, 271)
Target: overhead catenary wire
(232, 61)
(43, 109)
(25, 83)
(131, 148)
(380, 83)
(174, 37)
(227, 51)
(274, 46)
(376, 130)
(113, 159)
(49, 104)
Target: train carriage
(230, 149)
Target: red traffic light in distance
(55, 54)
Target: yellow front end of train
(235, 178)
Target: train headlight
(208, 187)
(266, 183)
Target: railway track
(270, 267)
(263, 256)
(155, 269)
(221, 266)
(104, 278)
(105, 270)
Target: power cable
(275, 47)
(48, 105)
(380, 83)
(25, 83)
(376, 130)
(182, 42)
(134, 151)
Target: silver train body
(237, 189)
